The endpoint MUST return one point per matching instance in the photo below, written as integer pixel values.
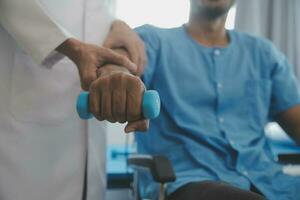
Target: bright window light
(231, 18)
(161, 13)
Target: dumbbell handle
(150, 105)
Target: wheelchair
(158, 166)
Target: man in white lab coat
(46, 151)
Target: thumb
(111, 43)
(141, 125)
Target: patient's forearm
(290, 121)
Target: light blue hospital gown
(215, 104)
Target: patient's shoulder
(154, 31)
(253, 41)
(156, 36)
(258, 44)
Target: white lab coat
(43, 143)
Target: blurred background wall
(277, 20)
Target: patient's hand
(116, 96)
(122, 36)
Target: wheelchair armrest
(160, 167)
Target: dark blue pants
(210, 190)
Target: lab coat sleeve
(33, 30)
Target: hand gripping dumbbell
(150, 105)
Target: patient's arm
(289, 120)
(117, 95)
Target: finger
(119, 103)
(119, 106)
(87, 75)
(109, 56)
(140, 125)
(133, 53)
(106, 109)
(111, 43)
(142, 59)
(137, 53)
(135, 89)
(108, 43)
(94, 101)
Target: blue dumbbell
(150, 105)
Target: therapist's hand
(122, 36)
(89, 58)
(117, 96)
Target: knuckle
(85, 83)
(84, 86)
(138, 84)
(104, 81)
(119, 76)
(124, 78)
(87, 78)
(134, 79)
(93, 58)
(94, 87)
